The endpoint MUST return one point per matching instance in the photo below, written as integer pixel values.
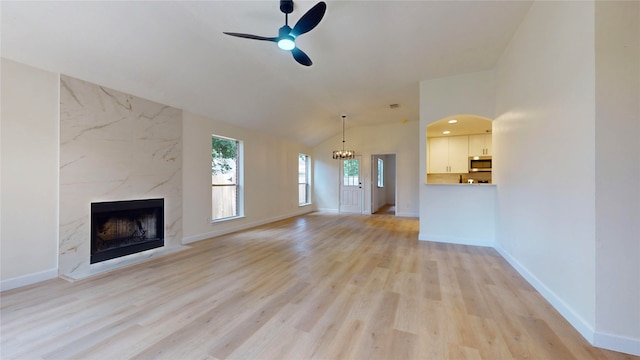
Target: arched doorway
(459, 150)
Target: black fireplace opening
(120, 228)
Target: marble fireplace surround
(114, 146)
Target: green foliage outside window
(223, 152)
(351, 168)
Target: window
(380, 173)
(225, 178)
(351, 173)
(304, 183)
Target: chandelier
(344, 154)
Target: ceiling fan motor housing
(284, 32)
(286, 6)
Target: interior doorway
(383, 184)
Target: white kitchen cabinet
(438, 155)
(480, 145)
(448, 155)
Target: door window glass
(351, 172)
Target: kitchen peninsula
(459, 213)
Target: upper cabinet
(448, 155)
(480, 145)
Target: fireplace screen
(121, 228)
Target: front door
(351, 186)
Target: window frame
(307, 180)
(380, 170)
(239, 183)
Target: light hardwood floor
(314, 287)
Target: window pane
(351, 172)
(224, 160)
(380, 173)
(224, 177)
(303, 179)
(224, 201)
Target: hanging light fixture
(343, 154)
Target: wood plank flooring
(388, 209)
(320, 286)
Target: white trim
(578, 323)
(58, 151)
(29, 279)
(455, 240)
(617, 343)
(243, 226)
(230, 218)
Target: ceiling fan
(286, 35)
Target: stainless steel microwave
(479, 163)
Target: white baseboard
(455, 240)
(565, 310)
(29, 279)
(398, 214)
(243, 226)
(617, 343)
(602, 340)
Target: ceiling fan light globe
(286, 44)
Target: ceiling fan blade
(301, 57)
(310, 19)
(254, 37)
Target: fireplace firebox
(120, 228)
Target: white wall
(567, 162)
(544, 152)
(617, 159)
(392, 138)
(455, 213)
(270, 177)
(390, 178)
(29, 186)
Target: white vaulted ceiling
(367, 55)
